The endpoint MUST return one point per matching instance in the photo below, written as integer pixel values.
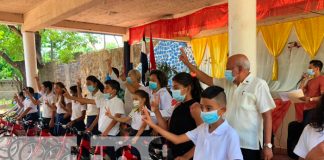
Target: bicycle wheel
(6, 140)
(55, 153)
(32, 150)
(14, 147)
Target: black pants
(80, 126)
(90, 119)
(31, 117)
(249, 154)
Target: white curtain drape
(291, 64)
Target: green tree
(51, 45)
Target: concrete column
(30, 58)
(242, 29)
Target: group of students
(184, 114)
(192, 119)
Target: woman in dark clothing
(186, 91)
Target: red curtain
(217, 17)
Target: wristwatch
(268, 145)
(310, 99)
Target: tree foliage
(60, 46)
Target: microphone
(302, 77)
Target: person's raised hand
(155, 104)
(66, 94)
(183, 57)
(79, 82)
(108, 113)
(36, 78)
(146, 117)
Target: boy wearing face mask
(215, 139)
(108, 101)
(313, 88)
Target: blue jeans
(59, 119)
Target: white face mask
(136, 103)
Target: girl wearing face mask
(62, 107)
(140, 101)
(95, 89)
(133, 83)
(107, 101)
(214, 139)
(158, 86)
(186, 91)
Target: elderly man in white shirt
(249, 104)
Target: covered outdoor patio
(267, 31)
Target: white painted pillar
(242, 29)
(30, 58)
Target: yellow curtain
(198, 48)
(218, 46)
(310, 33)
(275, 37)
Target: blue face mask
(91, 88)
(107, 96)
(229, 75)
(209, 117)
(310, 72)
(176, 94)
(108, 78)
(153, 85)
(129, 80)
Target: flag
(144, 60)
(127, 63)
(152, 58)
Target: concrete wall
(7, 89)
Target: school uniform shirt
(137, 120)
(92, 109)
(77, 109)
(223, 143)
(129, 98)
(29, 104)
(165, 101)
(308, 140)
(46, 110)
(116, 106)
(59, 109)
(245, 105)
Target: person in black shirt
(186, 90)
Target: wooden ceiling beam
(11, 18)
(51, 12)
(89, 27)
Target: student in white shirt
(158, 86)
(95, 89)
(18, 102)
(46, 102)
(138, 127)
(63, 107)
(78, 112)
(215, 139)
(313, 133)
(108, 100)
(133, 84)
(30, 112)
